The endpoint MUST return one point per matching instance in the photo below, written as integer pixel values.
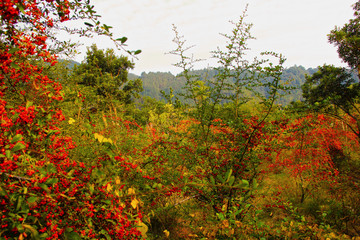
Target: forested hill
(154, 82)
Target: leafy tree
(347, 40)
(105, 78)
(333, 89)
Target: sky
(296, 29)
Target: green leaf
(20, 6)
(212, 180)
(44, 235)
(70, 173)
(51, 168)
(106, 234)
(72, 236)
(18, 137)
(245, 183)
(8, 154)
(231, 180)
(108, 143)
(3, 192)
(228, 174)
(110, 153)
(260, 224)
(43, 171)
(52, 181)
(220, 179)
(255, 184)
(29, 104)
(18, 146)
(13, 65)
(45, 187)
(221, 216)
(122, 40)
(19, 202)
(137, 52)
(88, 24)
(91, 188)
(106, 27)
(13, 50)
(20, 228)
(32, 199)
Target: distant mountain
(70, 63)
(154, 82)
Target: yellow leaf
(117, 180)
(117, 193)
(104, 119)
(96, 135)
(131, 191)
(134, 203)
(332, 235)
(143, 228)
(33, 231)
(193, 235)
(99, 137)
(71, 121)
(167, 233)
(109, 187)
(108, 140)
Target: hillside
(154, 82)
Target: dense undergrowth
(79, 160)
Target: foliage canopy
(105, 77)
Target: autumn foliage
(44, 192)
(191, 172)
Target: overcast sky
(296, 28)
